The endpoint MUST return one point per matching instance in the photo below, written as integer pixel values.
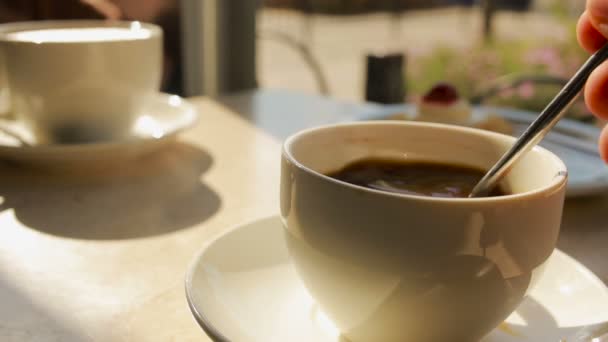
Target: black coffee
(413, 178)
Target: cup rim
(154, 30)
(558, 182)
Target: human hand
(592, 31)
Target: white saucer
(164, 117)
(243, 288)
(574, 142)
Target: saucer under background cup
(163, 117)
(242, 288)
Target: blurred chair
(302, 43)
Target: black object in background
(385, 81)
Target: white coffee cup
(391, 267)
(80, 80)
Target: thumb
(597, 10)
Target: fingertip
(596, 90)
(588, 37)
(598, 10)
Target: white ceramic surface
(162, 118)
(80, 87)
(388, 266)
(574, 142)
(242, 287)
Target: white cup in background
(80, 81)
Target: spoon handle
(542, 125)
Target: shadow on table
(22, 319)
(157, 194)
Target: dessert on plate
(443, 104)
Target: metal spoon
(542, 125)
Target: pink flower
(542, 56)
(526, 90)
(548, 57)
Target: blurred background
(514, 53)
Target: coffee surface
(413, 178)
(82, 34)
